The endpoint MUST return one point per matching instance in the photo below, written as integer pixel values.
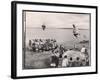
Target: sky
(57, 20)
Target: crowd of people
(41, 45)
(72, 61)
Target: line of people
(40, 45)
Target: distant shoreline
(55, 28)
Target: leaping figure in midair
(43, 27)
(75, 31)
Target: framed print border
(14, 30)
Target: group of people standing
(40, 45)
(58, 59)
(70, 61)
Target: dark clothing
(76, 35)
(55, 59)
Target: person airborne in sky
(75, 31)
(43, 27)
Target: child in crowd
(77, 62)
(83, 49)
(54, 60)
(65, 62)
(70, 62)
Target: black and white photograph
(53, 39)
(56, 40)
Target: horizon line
(58, 28)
